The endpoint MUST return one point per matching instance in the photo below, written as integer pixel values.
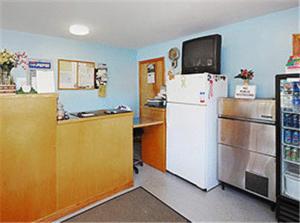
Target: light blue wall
(122, 84)
(262, 44)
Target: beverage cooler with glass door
(288, 147)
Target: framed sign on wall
(76, 75)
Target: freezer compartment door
(259, 110)
(186, 142)
(247, 170)
(247, 135)
(189, 89)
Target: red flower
(245, 74)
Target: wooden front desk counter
(27, 156)
(50, 169)
(94, 156)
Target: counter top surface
(99, 114)
(28, 95)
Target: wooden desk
(146, 122)
(154, 137)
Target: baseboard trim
(73, 208)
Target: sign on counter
(245, 91)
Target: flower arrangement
(245, 74)
(7, 60)
(22, 60)
(10, 60)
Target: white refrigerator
(192, 127)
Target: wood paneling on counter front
(50, 169)
(27, 156)
(93, 156)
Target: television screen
(202, 55)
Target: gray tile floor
(197, 205)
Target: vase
(246, 82)
(6, 78)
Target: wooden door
(149, 88)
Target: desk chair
(137, 147)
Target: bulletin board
(76, 75)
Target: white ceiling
(128, 23)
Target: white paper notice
(151, 73)
(245, 91)
(85, 75)
(45, 81)
(151, 78)
(68, 75)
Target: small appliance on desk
(159, 101)
(85, 114)
(118, 109)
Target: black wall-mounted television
(202, 55)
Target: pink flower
(22, 60)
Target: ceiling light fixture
(79, 30)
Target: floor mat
(137, 205)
